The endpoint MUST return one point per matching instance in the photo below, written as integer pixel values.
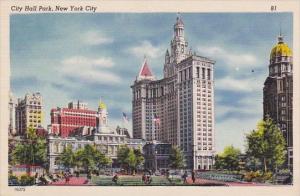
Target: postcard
(149, 97)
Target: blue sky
(87, 56)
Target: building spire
(280, 37)
(145, 72)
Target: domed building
(278, 93)
(106, 139)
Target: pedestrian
(184, 177)
(144, 178)
(115, 178)
(193, 176)
(67, 178)
(168, 175)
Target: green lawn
(134, 181)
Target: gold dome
(102, 105)
(280, 49)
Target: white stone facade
(183, 101)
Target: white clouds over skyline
(91, 70)
(234, 59)
(238, 85)
(104, 62)
(147, 48)
(96, 38)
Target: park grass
(134, 181)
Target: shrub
(257, 176)
(252, 176)
(12, 177)
(13, 180)
(26, 180)
(284, 171)
(267, 176)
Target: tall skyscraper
(278, 92)
(179, 108)
(29, 112)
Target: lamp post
(155, 159)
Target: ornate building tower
(102, 115)
(179, 108)
(278, 92)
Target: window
(198, 72)
(203, 73)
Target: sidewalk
(74, 181)
(200, 181)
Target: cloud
(148, 49)
(84, 61)
(238, 85)
(89, 70)
(232, 58)
(96, 38)
(242, 108)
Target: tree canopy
(267, 144)
(228, 159)
(176, 158)
(129, 158)
(32, 151)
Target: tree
(122, 156)
(229, 159)
(267, 144)
(130, 158)
(32, 151)
(101, 160)
(176, 158)
(139, 157)
(67, 157)
(85, 157)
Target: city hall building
(179, 108)
(278, 93)
(102, 136)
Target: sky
(69, 57)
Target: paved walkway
(74, 181)
(200, 181)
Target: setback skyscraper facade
(278, 93)
(179, 108)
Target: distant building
(29, 112)
(105, 138)
(12, 115)
(157, 155)
(31, 170)
(278, 93)
(65, 120)
(178, 109)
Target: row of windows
(33, 102)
